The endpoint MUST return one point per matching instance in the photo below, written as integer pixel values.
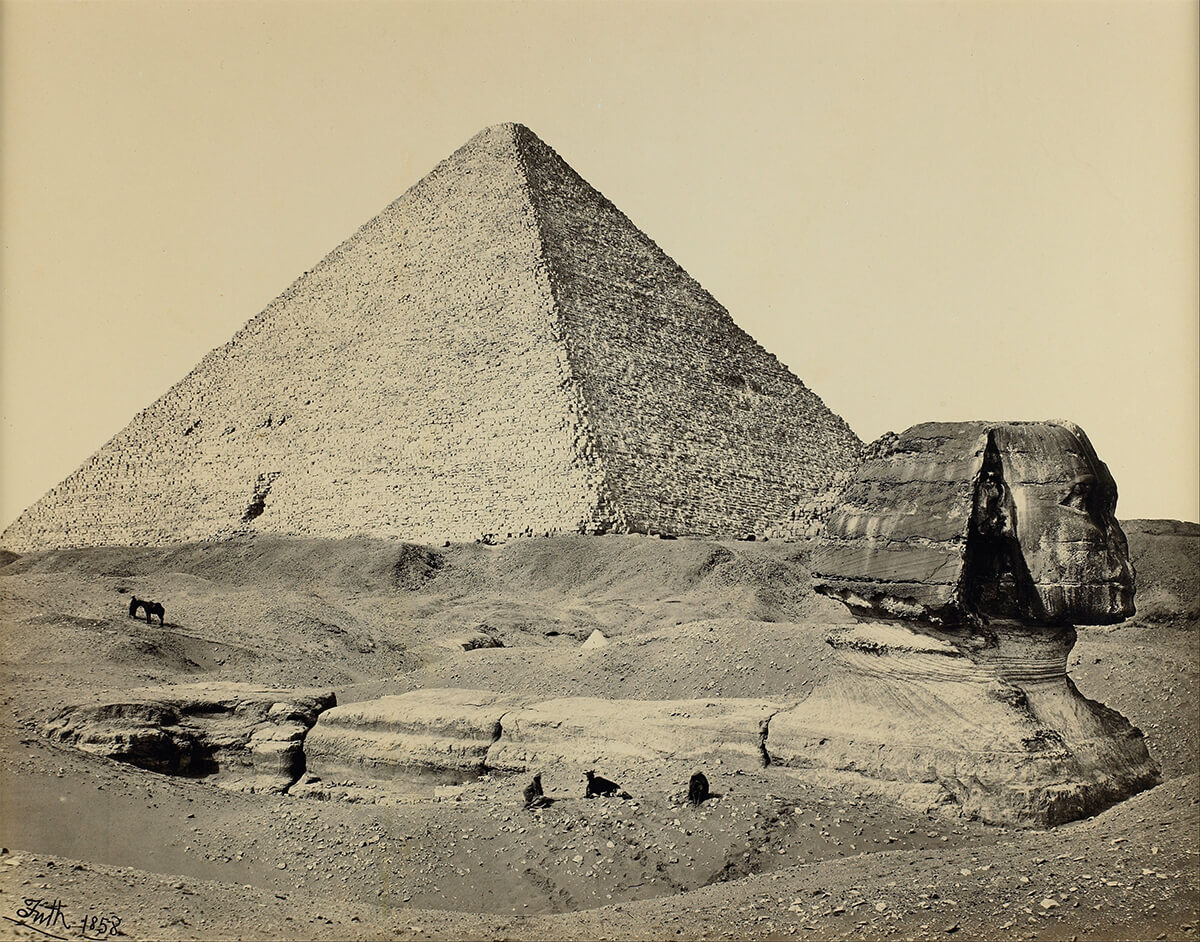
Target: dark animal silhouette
(697, 789)
(601, 786)
(534, 797)
(148, 607)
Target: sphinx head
(963, 523)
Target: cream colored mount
(500, 351)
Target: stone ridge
(498, 351)
(607, 515)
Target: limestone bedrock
(999, 727)
(239, 736)
(969, 550)
(450, 734)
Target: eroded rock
(239, 736)
(997, 726)
(956, 523)
(453, 735)
(440, 735)
(473, 642)
(588, 730)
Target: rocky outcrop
(238, 736)
(472, 642)
(998, 730)
(450, 734)
(438, 735)
(585, 731)
(956, 523)
(1167, 556)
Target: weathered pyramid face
(499, 351)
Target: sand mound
(1166, 556)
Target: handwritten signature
(44, 915)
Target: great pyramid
(499, 351)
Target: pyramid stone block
(499, 351)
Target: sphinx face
(970, 522)
(1063, 503)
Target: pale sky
(927, 211)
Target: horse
(148, 607)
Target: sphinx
(968, 553)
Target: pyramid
(500, 351)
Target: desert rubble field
(251, 822)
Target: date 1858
(48, 917)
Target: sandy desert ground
(776, 856)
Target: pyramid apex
(503, 134)
(504, 127)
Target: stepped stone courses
(499, 351)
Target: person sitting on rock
(602, 787)
(534, 797)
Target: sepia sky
(928, 211)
